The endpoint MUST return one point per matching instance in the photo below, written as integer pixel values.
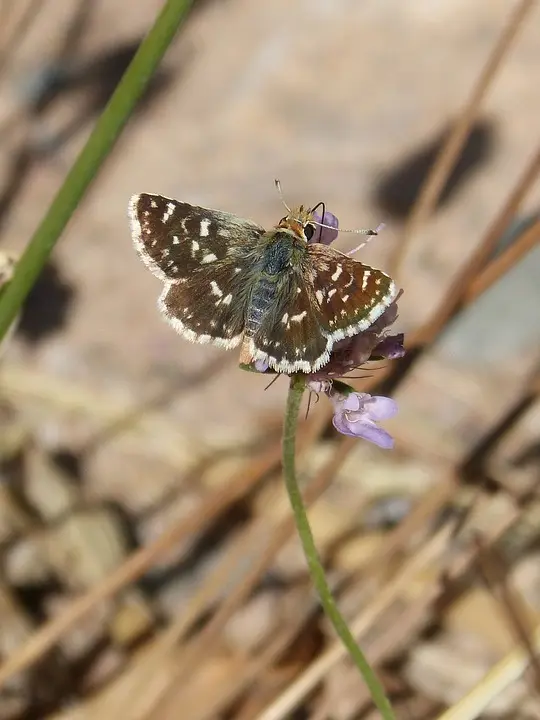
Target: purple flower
(357, 414)
(261, 365)
(390, 348)
(325, 235)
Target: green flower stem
(316, 570)
(85, 168)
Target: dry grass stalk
(461, 284)
(282, 532)
(446, 160)
(137, 564)
(508, 259)
(505, 672)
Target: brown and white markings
(229, 281)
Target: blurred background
(115, 432)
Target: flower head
(358, 414)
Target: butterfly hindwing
(327, 298)
(290, 337)
(202, 309)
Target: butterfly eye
(309, 231)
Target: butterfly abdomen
(274, 262)
(261, 302)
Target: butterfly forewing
(203, 258)
(175, 239)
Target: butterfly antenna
(358, 231)
(280, 193)
(318, 205)
(377, 230)
(361, 231)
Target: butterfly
(228, 281)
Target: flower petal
(376, 435)
(261, 365)
(341, 424)
(325, 235)
(356, 414)
(352, 402)
(365, 429)
(380, 408)
(390, 348)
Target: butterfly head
(300, 222)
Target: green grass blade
(85, 168)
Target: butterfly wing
(350, 296)
(203, 256)
(327, 298)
